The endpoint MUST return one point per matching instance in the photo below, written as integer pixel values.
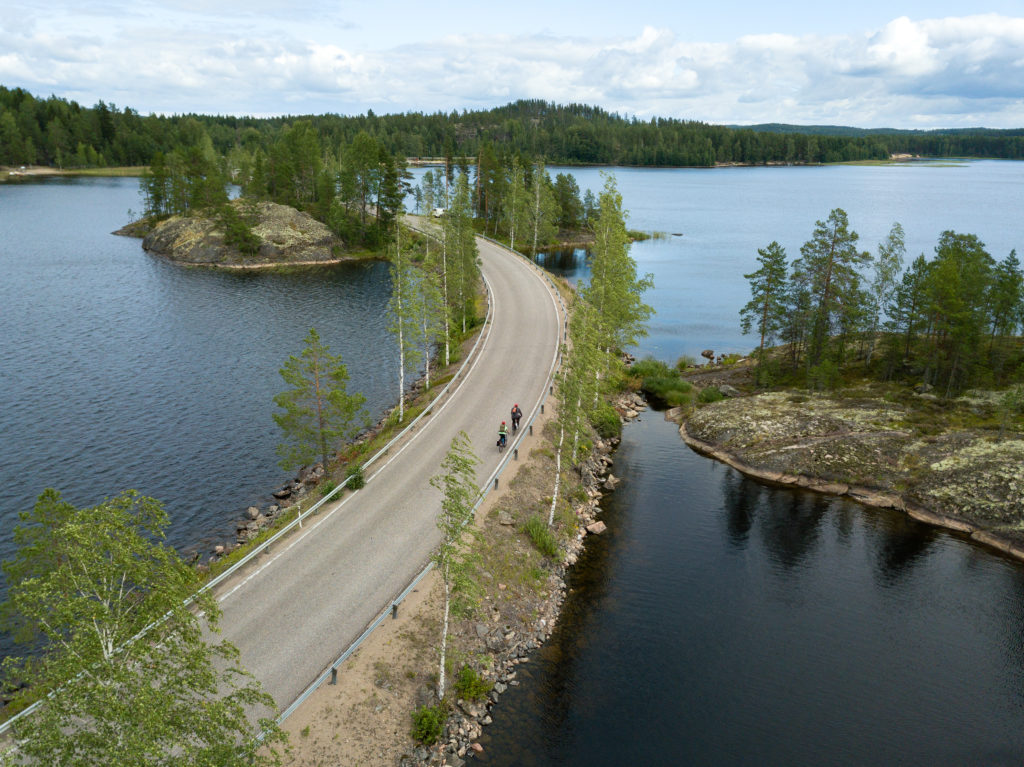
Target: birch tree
(103, 599)
(404, 312)
(614, 290)
(457, 483)
(543, 210)
(888, 266)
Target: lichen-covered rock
(287, 237)
(908, 456)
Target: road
(295, 610)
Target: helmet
(516, 405)
(502, 423)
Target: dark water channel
(723, 622)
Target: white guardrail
(392, 609)
(491, 483)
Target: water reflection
(722, 621)
(900, 544)
(791, 527)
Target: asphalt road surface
(293, 611)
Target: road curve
(293, 611)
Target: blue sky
(869, 64)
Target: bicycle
(502, 441)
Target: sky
(870, 63)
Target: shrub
(649, 366)
(606, 421)
(428, 724)
(710, 394)
(327, 486)
(469, 685)
(684, 362)
(355, 477)
(541, 536)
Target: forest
(949, 322)
(61, 133)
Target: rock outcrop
(903, 455)
(287, 237)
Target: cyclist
(516, 415)
(502, 435)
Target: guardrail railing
(491, 484)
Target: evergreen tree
(319, 413)
(767, 305)
(959, 280)
(830, 261)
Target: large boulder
(287, 236)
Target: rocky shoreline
(878, 452)
(286, 238)
(510, 643)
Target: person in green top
(502, 435)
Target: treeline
(359, 188)
(950, 322)
(62, 133)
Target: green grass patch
(541, 536)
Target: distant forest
(57, 132)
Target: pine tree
(767, 306)
(319, 413)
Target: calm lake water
(722, 622)
(120, 370)
(718, 621)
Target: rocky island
(282, 237)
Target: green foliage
(710, 394)
(56, 131)
(238, 232)
(685, 362)
(470, 686)
(649, 367)
(318, 412)
(327, 487)
(356, 479)
(86, 583)
(605, 420)
(428, 723)
(541, 536)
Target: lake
(718, 621)
(121, 370)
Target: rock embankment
(287, 237)
(905, 455)
(514, 623)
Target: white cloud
(174, 58)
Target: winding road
(293, 611)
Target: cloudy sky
(870, 63)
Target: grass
(540, 534)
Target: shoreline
(364, 718)
(876, 498)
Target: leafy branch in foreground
(133, 680)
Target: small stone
(252, 512)
(477, 747)
(597, 528)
